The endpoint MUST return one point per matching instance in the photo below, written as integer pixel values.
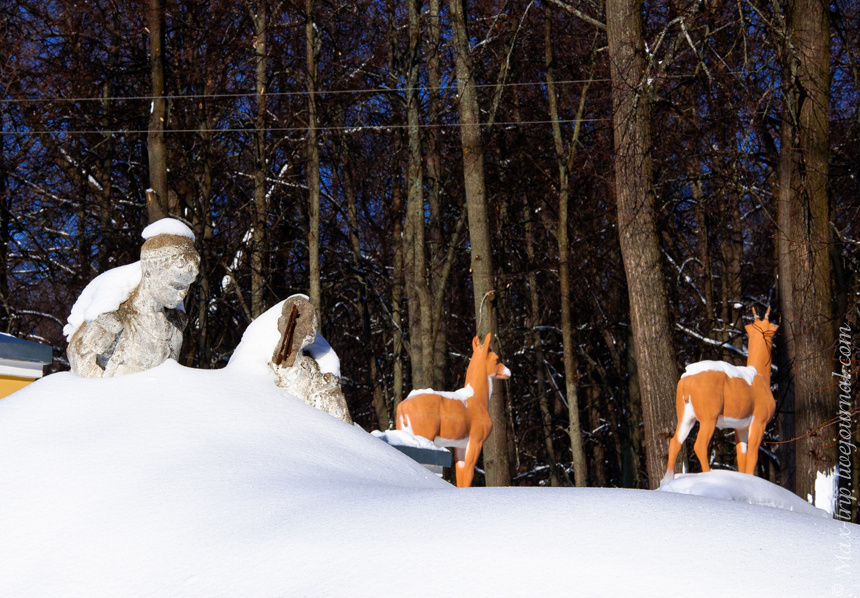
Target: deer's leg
(460, 456)
(706, 431)
(741, 439)
(686, 420)
(755, 437)
(466, 468)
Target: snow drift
(180, 482)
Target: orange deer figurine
(457, 419)
(718, 394)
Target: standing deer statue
(458, 419)
(720, 395)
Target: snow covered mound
(731, 485)
(180, 482)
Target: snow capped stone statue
(131, 318)
(299, 373)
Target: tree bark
(312, 161)
(496, 462)
(637, 230)
(260, 209)
(157, 202)
(805, 238)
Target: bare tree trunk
(397, 227)
(496, 462)
(260, 209)
(703, 249)
(806, 237)
(374, 380)
(157, 202)
(649, 316)
(312, 160)
(5, 221)
(434, 190)
(540, 381)
(571, 375)
(420, 312)
(785, 349)
(733, 252)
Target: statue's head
(169, 262)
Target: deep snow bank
(179, 482)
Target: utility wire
(354, 129)
(273, 94)
(368, 90)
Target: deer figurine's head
(761, 327)
(760, 334)
(492, 366)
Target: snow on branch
(710, 341)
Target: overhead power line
(272, 94)
(353, 129)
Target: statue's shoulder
(110, 322)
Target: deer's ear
(476, 342)
(487, 340)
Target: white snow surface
(826, 487)
(402, 438)
(747, 372)
(167, 226)
(261, 338)
(740, 487)
(105, 293)
(193, 483)
(462, 394)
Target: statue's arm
(94, 340)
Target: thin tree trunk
(260, 209)
(372, 369)
(434, 191)
(534, 322)
(312, 161)
(420, 313)
(397, 219)
(637, 230)
(703, 250)
(496, 462)
(157, 202)
(571, 375)
(5, 221)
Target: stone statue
(146, 329)
(300, 373)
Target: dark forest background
(648, 173)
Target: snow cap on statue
(166, 236)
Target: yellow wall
(9, 384)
